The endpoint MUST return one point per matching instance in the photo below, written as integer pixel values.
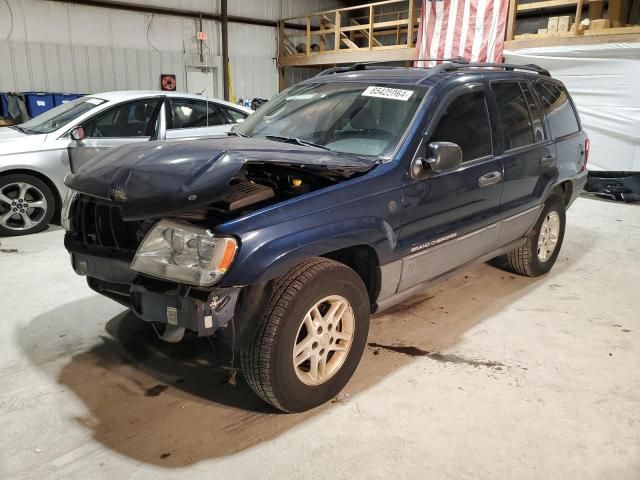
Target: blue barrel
(60, 98)
(4, 106)
(38, 102)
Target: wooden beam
(511, 19)
(410, 22)
(308, 36)
(527, 7)
(340, 35)
(337, 26)
(578, 17)
(589, 37)
(371, 18)
(331, 57)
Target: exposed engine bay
(261, 184)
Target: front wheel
(27, 205)
(542, 244)
(311, 338)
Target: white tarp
(604, 81)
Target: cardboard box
(542, 31)
(596, 9)
(599, 24)
(564, 23)
(552, 26)
(6, 122)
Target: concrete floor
(532, 378)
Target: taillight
(587, 145)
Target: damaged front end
(142, 222)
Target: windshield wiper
(297, 141)
(19, 128)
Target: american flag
(471, 29)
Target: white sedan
(36, 155)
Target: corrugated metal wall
(72, 48)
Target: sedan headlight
(65, 214)
(184, 253)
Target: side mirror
(441, 156)
(78, 134)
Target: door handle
(489, 179)
(548, 160)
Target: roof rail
(459, 64)
(444, 65)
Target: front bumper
(201, 311)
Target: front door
(450, 218)
(124, 123)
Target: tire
(14, 190)
(268, 359)
(529, 260)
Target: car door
(450, 218)
(563, 126)
(128, 122)
(189, 117)
(529, 156)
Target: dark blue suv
(339, 198)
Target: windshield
(59, 116)
(349, 117)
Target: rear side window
(516, 116)
(466, 123)
(561, 117)
(190, 113)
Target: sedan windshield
(349, 117)
(59, 116)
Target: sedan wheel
(26, 205)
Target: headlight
(184, 253)
(66, 209)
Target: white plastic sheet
(604, 81)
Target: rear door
(128, 122)
(563, 125)
(450, 218)
(528, 156)
(189, 117)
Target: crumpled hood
(158, 178)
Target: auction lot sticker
(386, 92)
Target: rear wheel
(542, 244)
(312, 336)
(27, 204)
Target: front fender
(270, 253)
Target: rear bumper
(578, 186)
(200, 311)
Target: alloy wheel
(22, 206)
(323, 340)
(548, 238)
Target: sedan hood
(159, 178)
(12, 141)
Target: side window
(466, 123)
(189, 113)
(534, 112)
(236, 115)
(561, 117)
(517, 122)
(131, 119)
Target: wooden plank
(308, 41)
(347, 9)
(527, 7)
(511, 19)
(410, 21)
(588, 38)
(332, 57)
(579, 17)
(614, 31)
(337, 26)
(371, 27)
(340, 35)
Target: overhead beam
(174, 12)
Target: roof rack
(445, 65)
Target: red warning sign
(168, 82)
